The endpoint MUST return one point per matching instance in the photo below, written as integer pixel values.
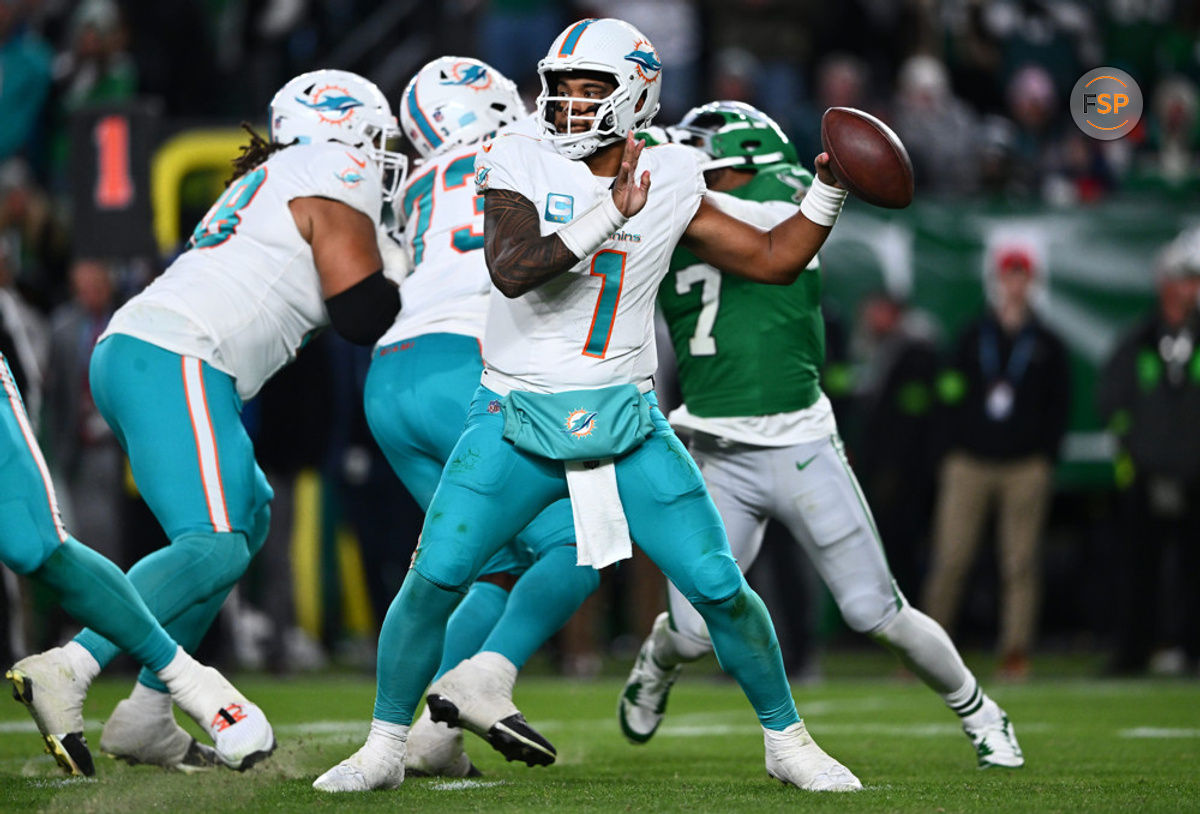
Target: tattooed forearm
(518, 257)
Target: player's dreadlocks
(254, 153)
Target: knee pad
(446, 565)
(715, 577)
(260, 525)
(868, 612)
(28, 541)
(219, 559)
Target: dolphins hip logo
(332, 104)
(580, 423)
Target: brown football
(867, 158)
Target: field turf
(1091, 746)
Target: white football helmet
(607, 46)
(455, 101)
(340, 106)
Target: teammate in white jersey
(765, 438)
(423, 374)
(577, 243)
(288, 249)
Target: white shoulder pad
(340, 173)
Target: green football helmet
(734, 134)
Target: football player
(290, 247)
(576, 243)
(423, 374)
(34, 542)
(764, 436)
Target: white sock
(151, 700)
(82, 662)
(966, 701)
(496, 663)
(178, 668)
(670, 648)
(987, 713)
(387, 736)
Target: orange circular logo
(1106, 103)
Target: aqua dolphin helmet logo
(580, 423)
(334, 105)
(349, 177)
(468, 74)
(645, 60)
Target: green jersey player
(764, 435)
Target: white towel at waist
(601, 532)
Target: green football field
(1090, 745)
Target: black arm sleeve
(365, 310)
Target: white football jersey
(245, 295)
(592, 326)
(447, 290)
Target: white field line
(1155, 732)
(459, 785)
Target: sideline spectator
(1007, 395)
(1150, 394)
(938, 129)
(25, 69)
(895, 458)
(94, 67)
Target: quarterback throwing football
(577, 244)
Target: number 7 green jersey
(745, 348)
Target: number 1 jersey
(592, 326)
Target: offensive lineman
(576, 245)
(765, 438)
(423, 374)
(290, 247)
(91, 588)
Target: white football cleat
(239, 729)
(379, 764)
(793, 757)
(643, 701)
(477, 695)
(49, 687)
(993, 737)
(436, 750)
(137, 735)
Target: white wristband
(822, 203)
(586, 233)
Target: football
(867, 158)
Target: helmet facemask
(378, 144)
(607, 118)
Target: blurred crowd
(943, 432)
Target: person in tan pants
(1006, 396)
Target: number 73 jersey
(592, 326)
(447, 290)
